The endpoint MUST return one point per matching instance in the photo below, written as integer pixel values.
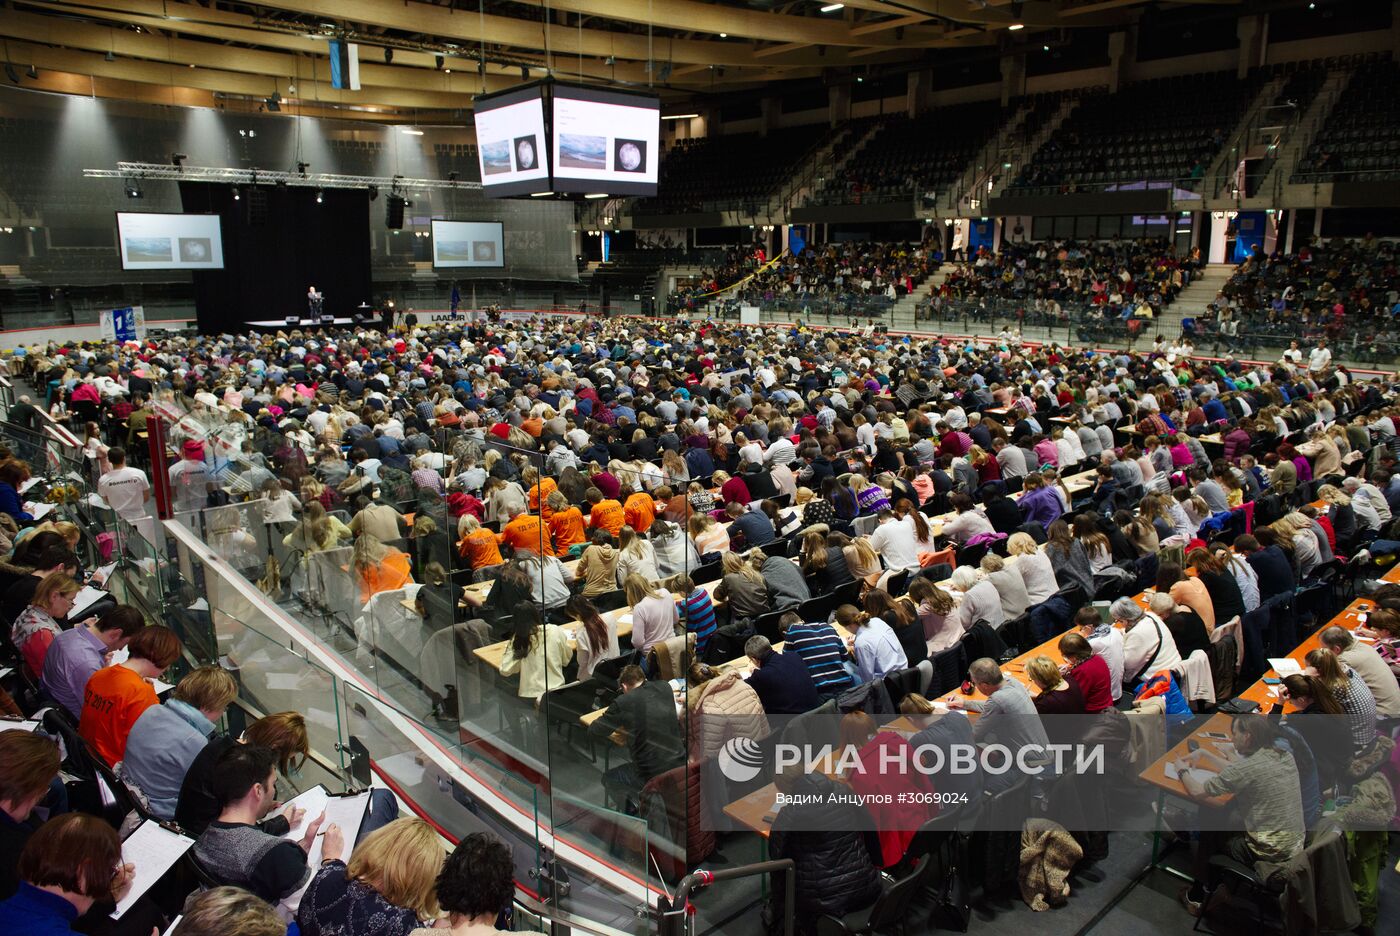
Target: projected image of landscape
(495, 157)
(449, 250)
(148, 249)
(583, 152)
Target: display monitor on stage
(604, 141)
(153, 241)
(511, 142)
(459, 244)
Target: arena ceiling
(426, 59)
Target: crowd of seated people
(1334, 289)
(929, 496)
(1115, 279)
(845, 269)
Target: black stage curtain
(278, 241)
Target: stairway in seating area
(1191, 302)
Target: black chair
(972, 555)
(888, 914)
(949, 668)
(710, 572)
(901, 683)
(610, 601)
(817, 609)
(897, 583)
(566, 704)
(766, 625)
(1018, 634)
(848, 593)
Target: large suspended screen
(152, 241)
(605, 141)
(511, 142)
(461, 244)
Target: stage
(281, 324)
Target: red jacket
(1093, 679)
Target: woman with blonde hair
(709, 536)
(742, 588)
(317, 530)
(1057, 696)
(378, 568)
(934, 607)
(388, 888)
(1341, 513)
(635, 555)
(676, 472)
(37, 625)
(861, 559)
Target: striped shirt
(699, 614)
(823, 650)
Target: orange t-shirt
(480, 550)
(539, 494)
(607, 514)
(112, 701)
(640, 511)
(395, 571)
(533, 425)
(567, 527)
(528, 531)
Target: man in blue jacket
(782, 681)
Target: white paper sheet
(40, 511)
(161, 686)
(84, 600)
(1285, 666)
(1199, 774)
(24, 488)
(7, 724)
(314, 802)
(119, 656)
(153, 850)
(347, 812)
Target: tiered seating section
(907, 158)
(1153, 131)
(1361, 140)
(739, 172)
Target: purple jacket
(1041, 506)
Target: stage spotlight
(318, 197)
(439, 60)
(301, 168)
(133, 189)
(388, 56)
(236, 195)
(176, 159)
(110, 56)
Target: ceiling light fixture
(596, 195)
(1015, 26)
(540, 194)
(833, 7)
(411, 132)
(724, 35)
(679, 116)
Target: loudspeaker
(257, 206)
(393, 212)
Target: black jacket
(784, 685)
(197, 807)
(836, 867)
(648, 715)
